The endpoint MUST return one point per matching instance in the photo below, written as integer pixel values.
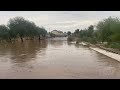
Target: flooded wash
(54, 59)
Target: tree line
(106, 30)
(19, 27)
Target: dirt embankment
(116, 51)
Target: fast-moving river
(54, 59)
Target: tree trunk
(39, 37)
(21, 39)
(10, 39)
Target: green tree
(68, 33)
(4, 33)
(76, 33)
(41, 32)
(90, 31)
(18, 26)
(31, 29)
(107, 28)
(23, 28)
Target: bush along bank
(105, 35)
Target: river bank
(105, 51)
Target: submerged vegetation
(106, 32)
(18, 27)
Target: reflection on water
(69, 43)
(56, 43)
(22, 52)
(54, 59)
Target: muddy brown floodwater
(54, 59)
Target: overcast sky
(60, 20)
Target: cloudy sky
(60, 20)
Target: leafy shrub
(114, 45)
